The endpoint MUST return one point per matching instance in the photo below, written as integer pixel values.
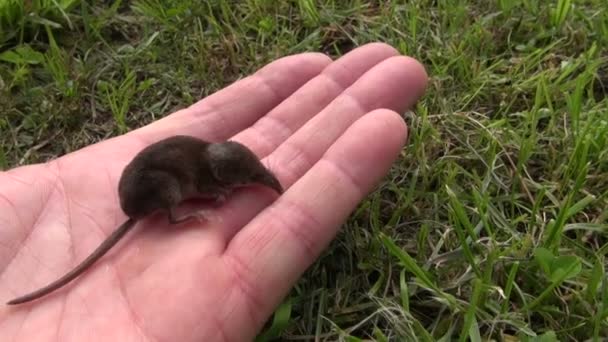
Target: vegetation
(493, 224)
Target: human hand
(317, 124)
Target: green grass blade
(280, 321)
(468, 330)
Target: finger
(395, 83)
(268, 255)
(232, 109)
(275, 127)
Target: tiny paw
(207, 215)
(220, 199)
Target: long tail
(90, 260)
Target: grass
(493, 224)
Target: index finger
(236, 107)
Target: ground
(492, 224)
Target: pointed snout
(270, 180)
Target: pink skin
(329, 131)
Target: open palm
(328, 130)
